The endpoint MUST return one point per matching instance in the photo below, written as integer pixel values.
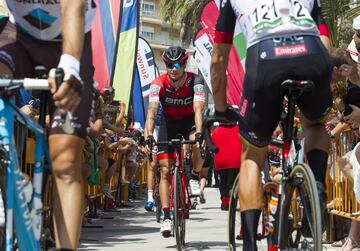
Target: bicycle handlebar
(207, 123)
(175, 142)
(26, 83)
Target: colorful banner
(104, 33)
(236, 64)
(124, 65)
(147, 69)
(137, 100)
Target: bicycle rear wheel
(234, 224)
(178, 211)
(304, 232)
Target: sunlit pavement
(135, 229)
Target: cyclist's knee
(65, 153)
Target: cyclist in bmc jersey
(57, 34)
(283, 42)
(182, 97)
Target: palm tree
(185, 13)
(339, 15)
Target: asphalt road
(135, 229)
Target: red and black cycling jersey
(177, 103)
(305, 15)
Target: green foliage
(338, 15)
(185, 13)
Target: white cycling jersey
(261, 19)
(42, 18)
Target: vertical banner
(124, 62)
(147, 69)
(137, 101)
(204, 41)
(104, 33)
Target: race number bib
(269, 14)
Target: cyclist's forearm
(219, 62)
(150, 121)
(72, 26)
(198, 109)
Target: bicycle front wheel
(234, 224)
(304, 231)
(178, 211)
(2, 206)
(157, 203)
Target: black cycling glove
(199, 137)
(231, 114)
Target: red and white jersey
(262, 19)
(42, 19)
(177, 103)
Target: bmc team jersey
(263, 19)
(177, 104)
(42, 18)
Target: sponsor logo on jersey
(199, 92)
(243, 106)
(178, 101)
(40, 18)
(290, 50)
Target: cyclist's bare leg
(165, 182)
(68, 204)
(250, 193)
(151, 175)
(317, 143)
(250, 187)
(203, 178)
(197, 160)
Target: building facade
(158, 33)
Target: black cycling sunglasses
(176, 65)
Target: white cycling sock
(150, 195)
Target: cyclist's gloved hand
(199, 137)
(231, 114)
(68, 95)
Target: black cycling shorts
(268, 64)
(170, 129)
(21, 53)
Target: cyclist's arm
(72, 26)
(154, 102)
(322, 26)
(224, 34)
(199, 101)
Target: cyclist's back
(283, 43)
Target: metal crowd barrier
(341, 197)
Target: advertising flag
(125, 58)
(104, 33)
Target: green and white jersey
(261, 19)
